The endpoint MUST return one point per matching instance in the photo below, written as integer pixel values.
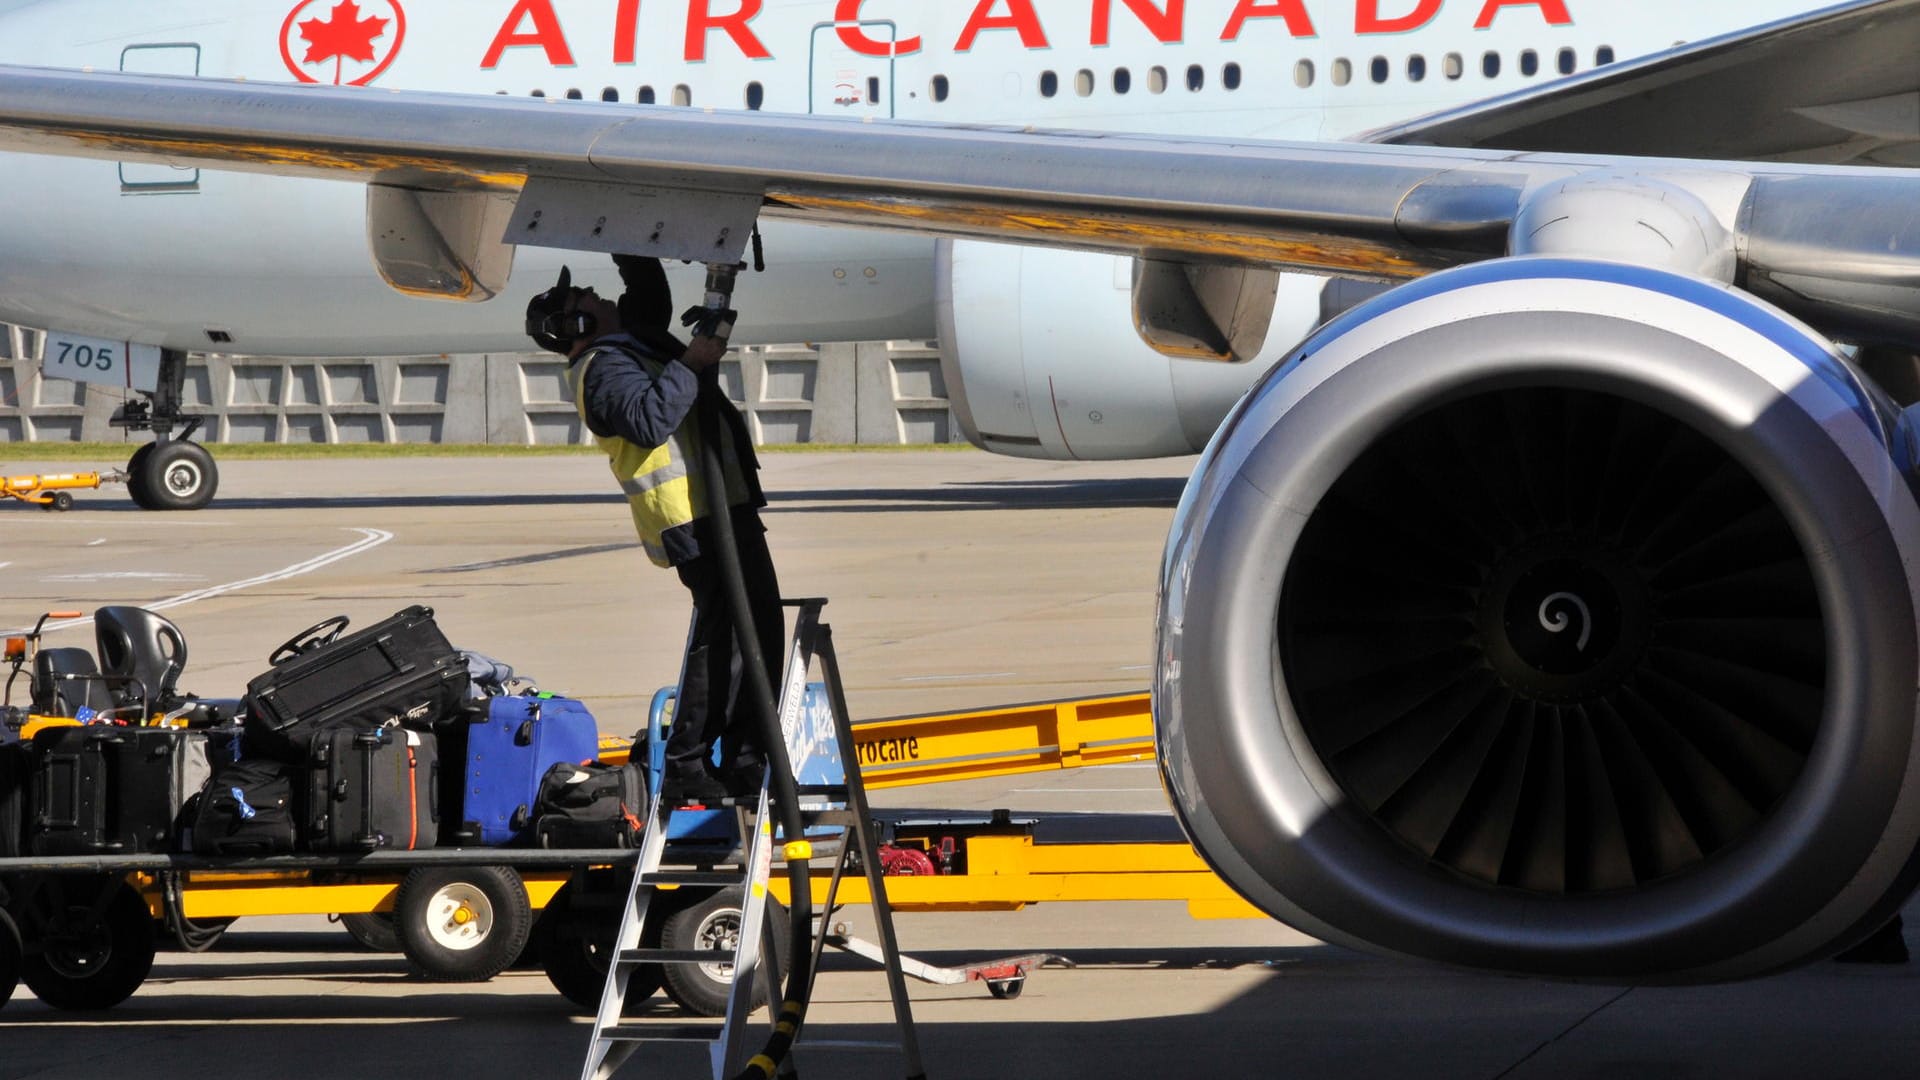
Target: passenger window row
(1453, 66)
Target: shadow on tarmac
(1095, 494)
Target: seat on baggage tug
(141, 656)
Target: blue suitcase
(507, 754)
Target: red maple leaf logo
(342, 36)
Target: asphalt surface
(955, 580)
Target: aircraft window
(1196, 77)
(646, 95)
(941, 88)
(1157, 80)
(1230, 76)
(873, 89)
(1529, 63)
(1456, 65)
(1490, 65)
(1049, 84)
(1122, 80)
(1416, 68)
(1303, 74)
(575, 95)
(1567, 62)
(1342, 71)
(1083, 83)
(683, 94)
(756, 96)
(609, 94)
(1603, 56)
(1380, 69)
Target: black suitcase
(369, 790)
(246, 809)
(112, 790)
(590, 807)
(16, 766)
(401, 670)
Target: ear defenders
(551, 325)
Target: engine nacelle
(1557, 618)
(1041, 360)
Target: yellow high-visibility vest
(664, 487)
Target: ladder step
(835, 792)
(676, 956)
(694, 1033)
(693, 877)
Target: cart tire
(180, 476)
(137, 477)
(61, 502)
(462, 924)
(101, 971)
(376, 931)
(9, 958)
(1007, 989)
(574, 946)
(714, 923)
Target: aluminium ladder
(841, 805)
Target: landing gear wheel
(95, 966)
(324, 632)
(574, 946)
(9, 958)
(60, 504)
(179, 475)
(462, 924)
(374, 930)
(137, 477)
(714, 923)
(1007, 989)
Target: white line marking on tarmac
(4, 565)
(1135, 667)
(125, 575)
(98, 542)
(945, 678)
(369, 539)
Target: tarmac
(956, 579)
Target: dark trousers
(713, 704)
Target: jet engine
(1553, 617)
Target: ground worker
(636, 387)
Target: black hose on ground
(786, 796)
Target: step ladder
(840, 804)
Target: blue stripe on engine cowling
(1742, 308)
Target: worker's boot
(691, 786)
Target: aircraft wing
(1837, 86)
(455, 180)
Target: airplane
(1555, 611)
(131, 265)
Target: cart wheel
(97, 966)
(462, 924)
(137, 477)
(574, 946)
(1007, 989)
(9, 958)
(58, 501)
(374, 930)
(179, 476)
(708, 924)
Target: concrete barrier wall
(874, 393)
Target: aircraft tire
(180, 475)
(137, 477)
